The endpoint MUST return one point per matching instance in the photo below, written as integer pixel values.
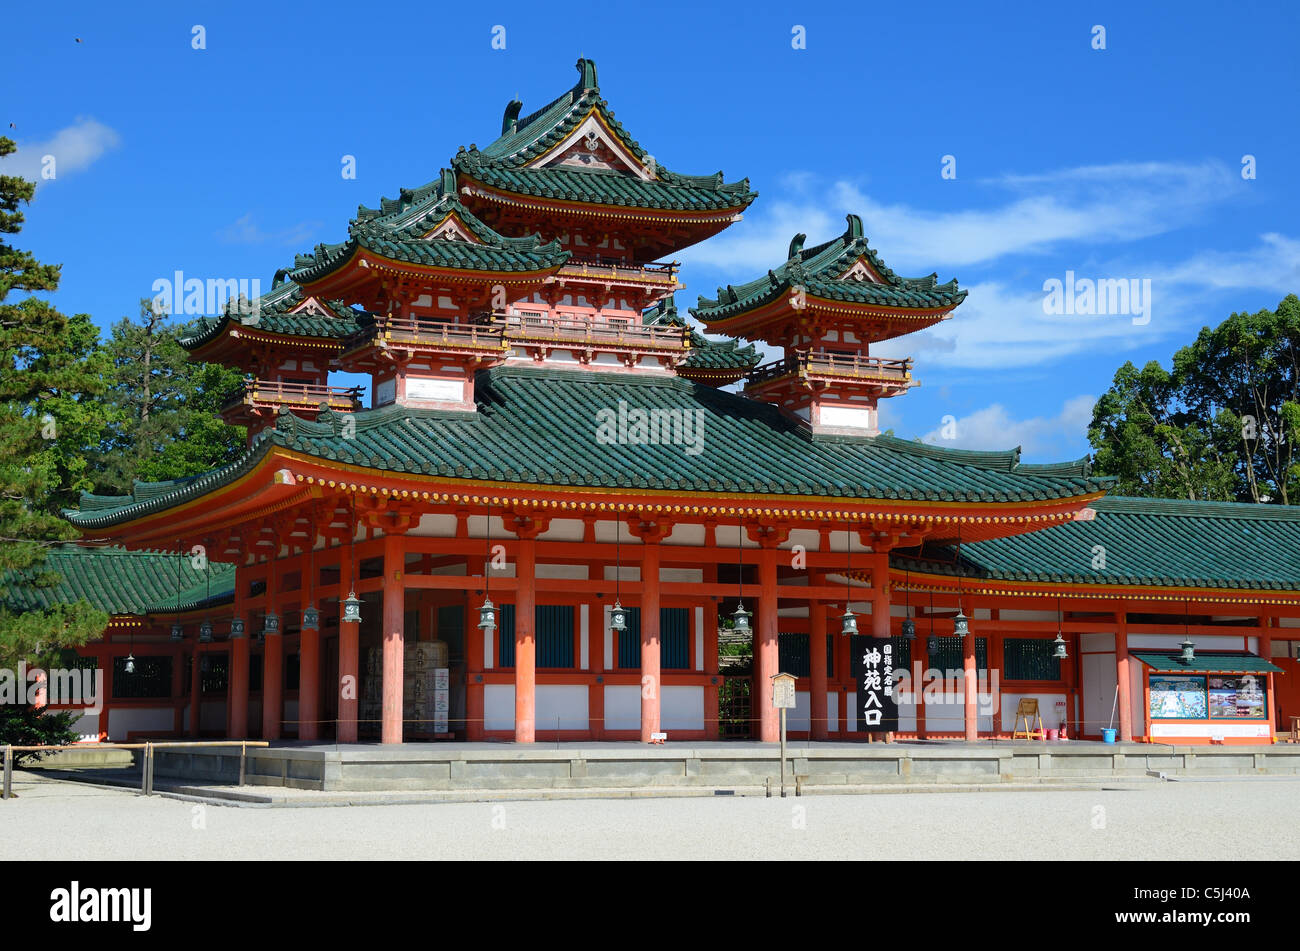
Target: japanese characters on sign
(876, 699)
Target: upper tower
(825, 306)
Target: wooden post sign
(877, 701)
(783, 699)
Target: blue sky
(1122, 163)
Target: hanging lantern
(237, 627)
(352, 608)
(130, 664)
(617, 617)
(310, 618)
(740, 618)
(271, 624)
(932, 646)
(959, 626)
(1059, 644)
(487, 616)
(849, 624)
(1189, 651)
(909, 629)
(177, 631)
(205, 631)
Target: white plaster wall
(1097, 642)
(1047, 709)
(86, 726)
(623, 707)
(680, 708)
(560, 706)
(136, 719)
(1170, 642)
(499, 707)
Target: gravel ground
(1178, 820)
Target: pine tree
(48, 381)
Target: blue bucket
(1107, 736)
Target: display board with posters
(1238, 697)
(1175, 697)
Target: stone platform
(709, 765)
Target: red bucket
(1053, 734)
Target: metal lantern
(352, 608)
(1189, 651)
(1059, 644)
(271, 624)
(932, 646)
(849, 624)
(740, 618)
(237, 627)
(130, 664)
(617, 617)
(205, 630)
(177, 631)
(310, 619)
(959, 626)
(487, 616)
(909, 629)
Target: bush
(25, 725)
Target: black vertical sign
(875, 677)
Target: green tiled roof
(500, 164)
(1151, 542)
(273, 315)
(705, 354)
(118, 581)
(817, 270)
(1207, 662)
(538, 426)
(396, 230)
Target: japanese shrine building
(549, 434)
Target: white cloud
(74, 148)
(245, 230)
(1049, 438)
(1090, 204)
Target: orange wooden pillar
(712, 726)
(474, 667)
(345, 730)
(970, 688)
(651, 673)
(196, 691)
(766, 653)
(1123, 680)
(237, 715)
(272, 663)
(525, 641)
(394, 638)
(817, 708)
(309, 659)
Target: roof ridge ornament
(796, 245)
(510, 121)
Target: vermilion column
(970, 688)
(1125, 697)
(817, 707)
(196, 689)
(766, 655)
(526, 643)
(651, 674)
(272, 667)
(309, 661)
(345, 730)
(394, 638)
(239, 667)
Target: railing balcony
(620, 334)
(273, 394)
(431, 333)
(824, 363)
(615, 269)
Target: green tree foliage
(49, 381)
(164, 408)
(24, 725)
(1222, 425)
